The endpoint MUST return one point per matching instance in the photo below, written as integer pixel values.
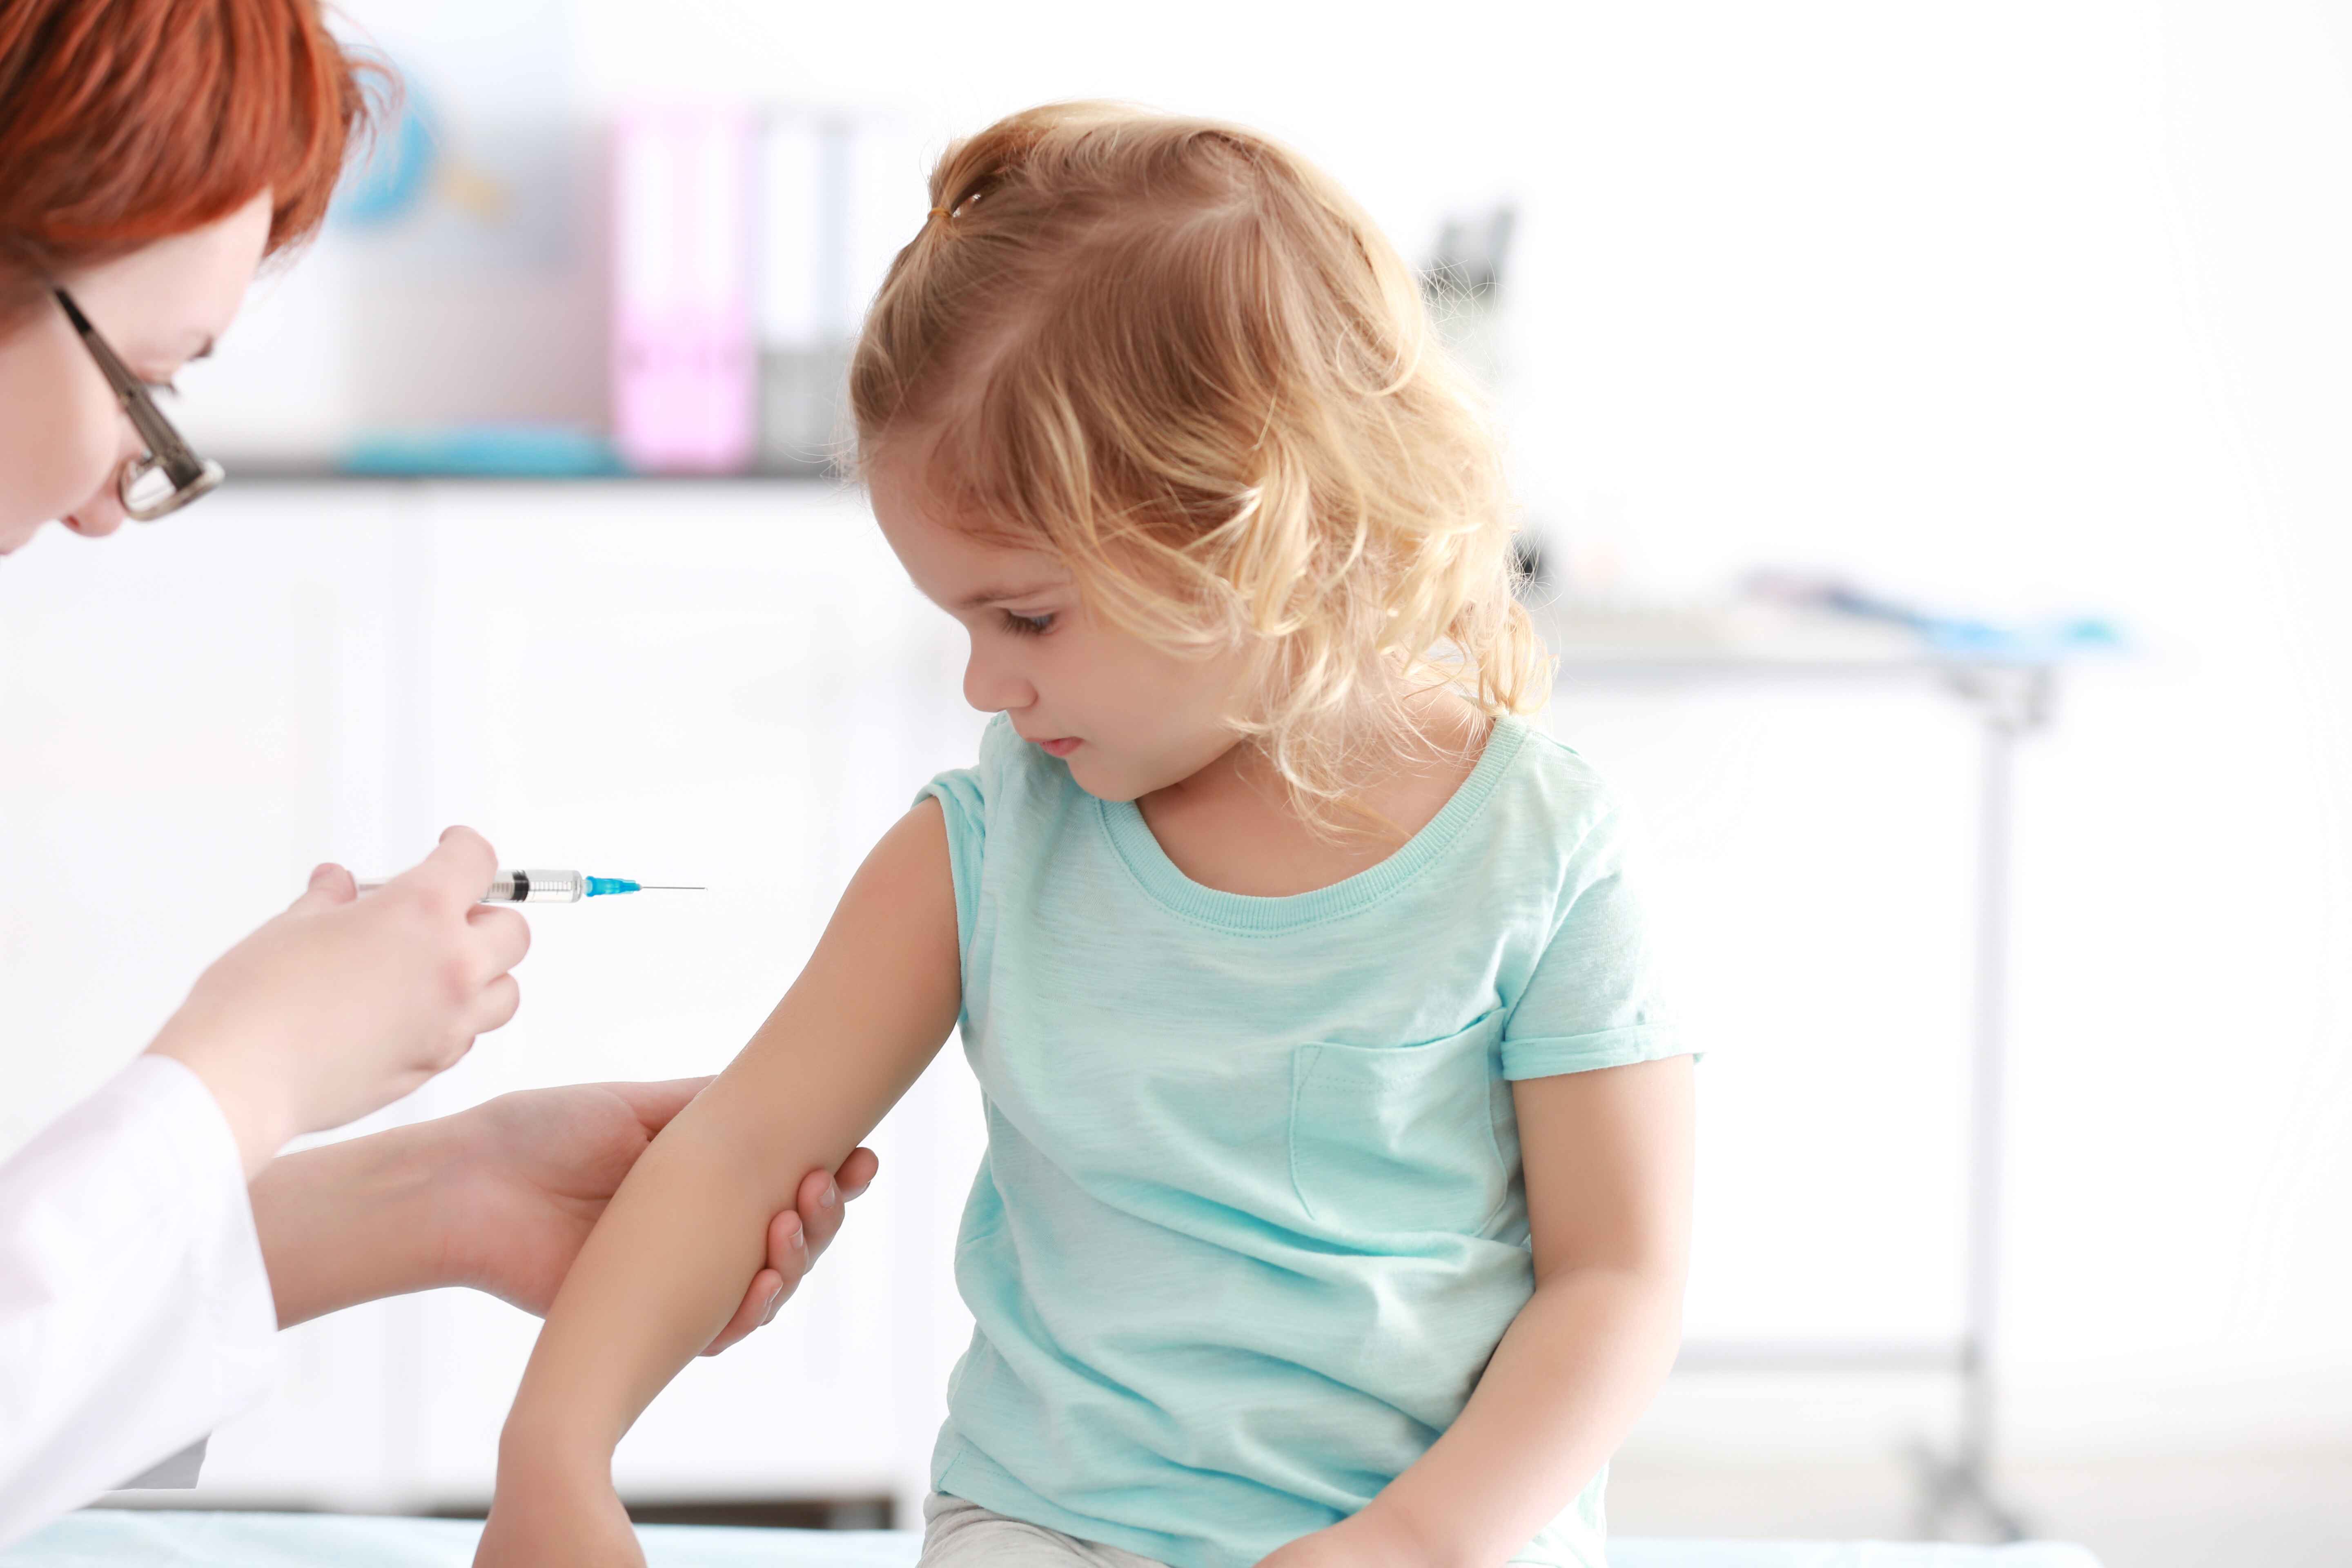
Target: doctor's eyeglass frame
(169, 474)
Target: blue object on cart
(487, 452)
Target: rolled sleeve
(1596, 998)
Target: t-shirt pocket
(1385, 1139)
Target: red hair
(125, 121)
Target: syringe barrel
(537, 887)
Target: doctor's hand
(342, 1004)
(500, 1197)
(531, 1172)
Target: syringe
(556, 888)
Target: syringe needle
(668, 888)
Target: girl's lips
(1061, 748)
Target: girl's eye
(1027, 625)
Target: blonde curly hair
(1180, 359)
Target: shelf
(260, 471)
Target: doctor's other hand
(524, 1178)
(342, 1004)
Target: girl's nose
(989, 687)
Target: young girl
(1336, 1198)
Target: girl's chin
(1103, 783)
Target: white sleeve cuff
(135, 1314)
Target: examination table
(113, 1538)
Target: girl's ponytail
(972, 166)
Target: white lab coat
(135, 1315)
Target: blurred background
(1930, 422)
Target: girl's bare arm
(668, 1263)
(1607, 1160)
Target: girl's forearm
(668, 1262)
(660, 1275)
(1579, 1365)
(666, 1265)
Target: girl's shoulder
(1556, 821)
(1008, 776)
(1009, 765)
(1552, 786)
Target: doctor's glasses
(168, 475)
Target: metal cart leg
(1958, 1486)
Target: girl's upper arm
(875, 1001)
(1607, 1159)
(667, 1263)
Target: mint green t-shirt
(1251, 1218)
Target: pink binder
(685, 369)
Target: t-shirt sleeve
(1594, 999)
(965, 796)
